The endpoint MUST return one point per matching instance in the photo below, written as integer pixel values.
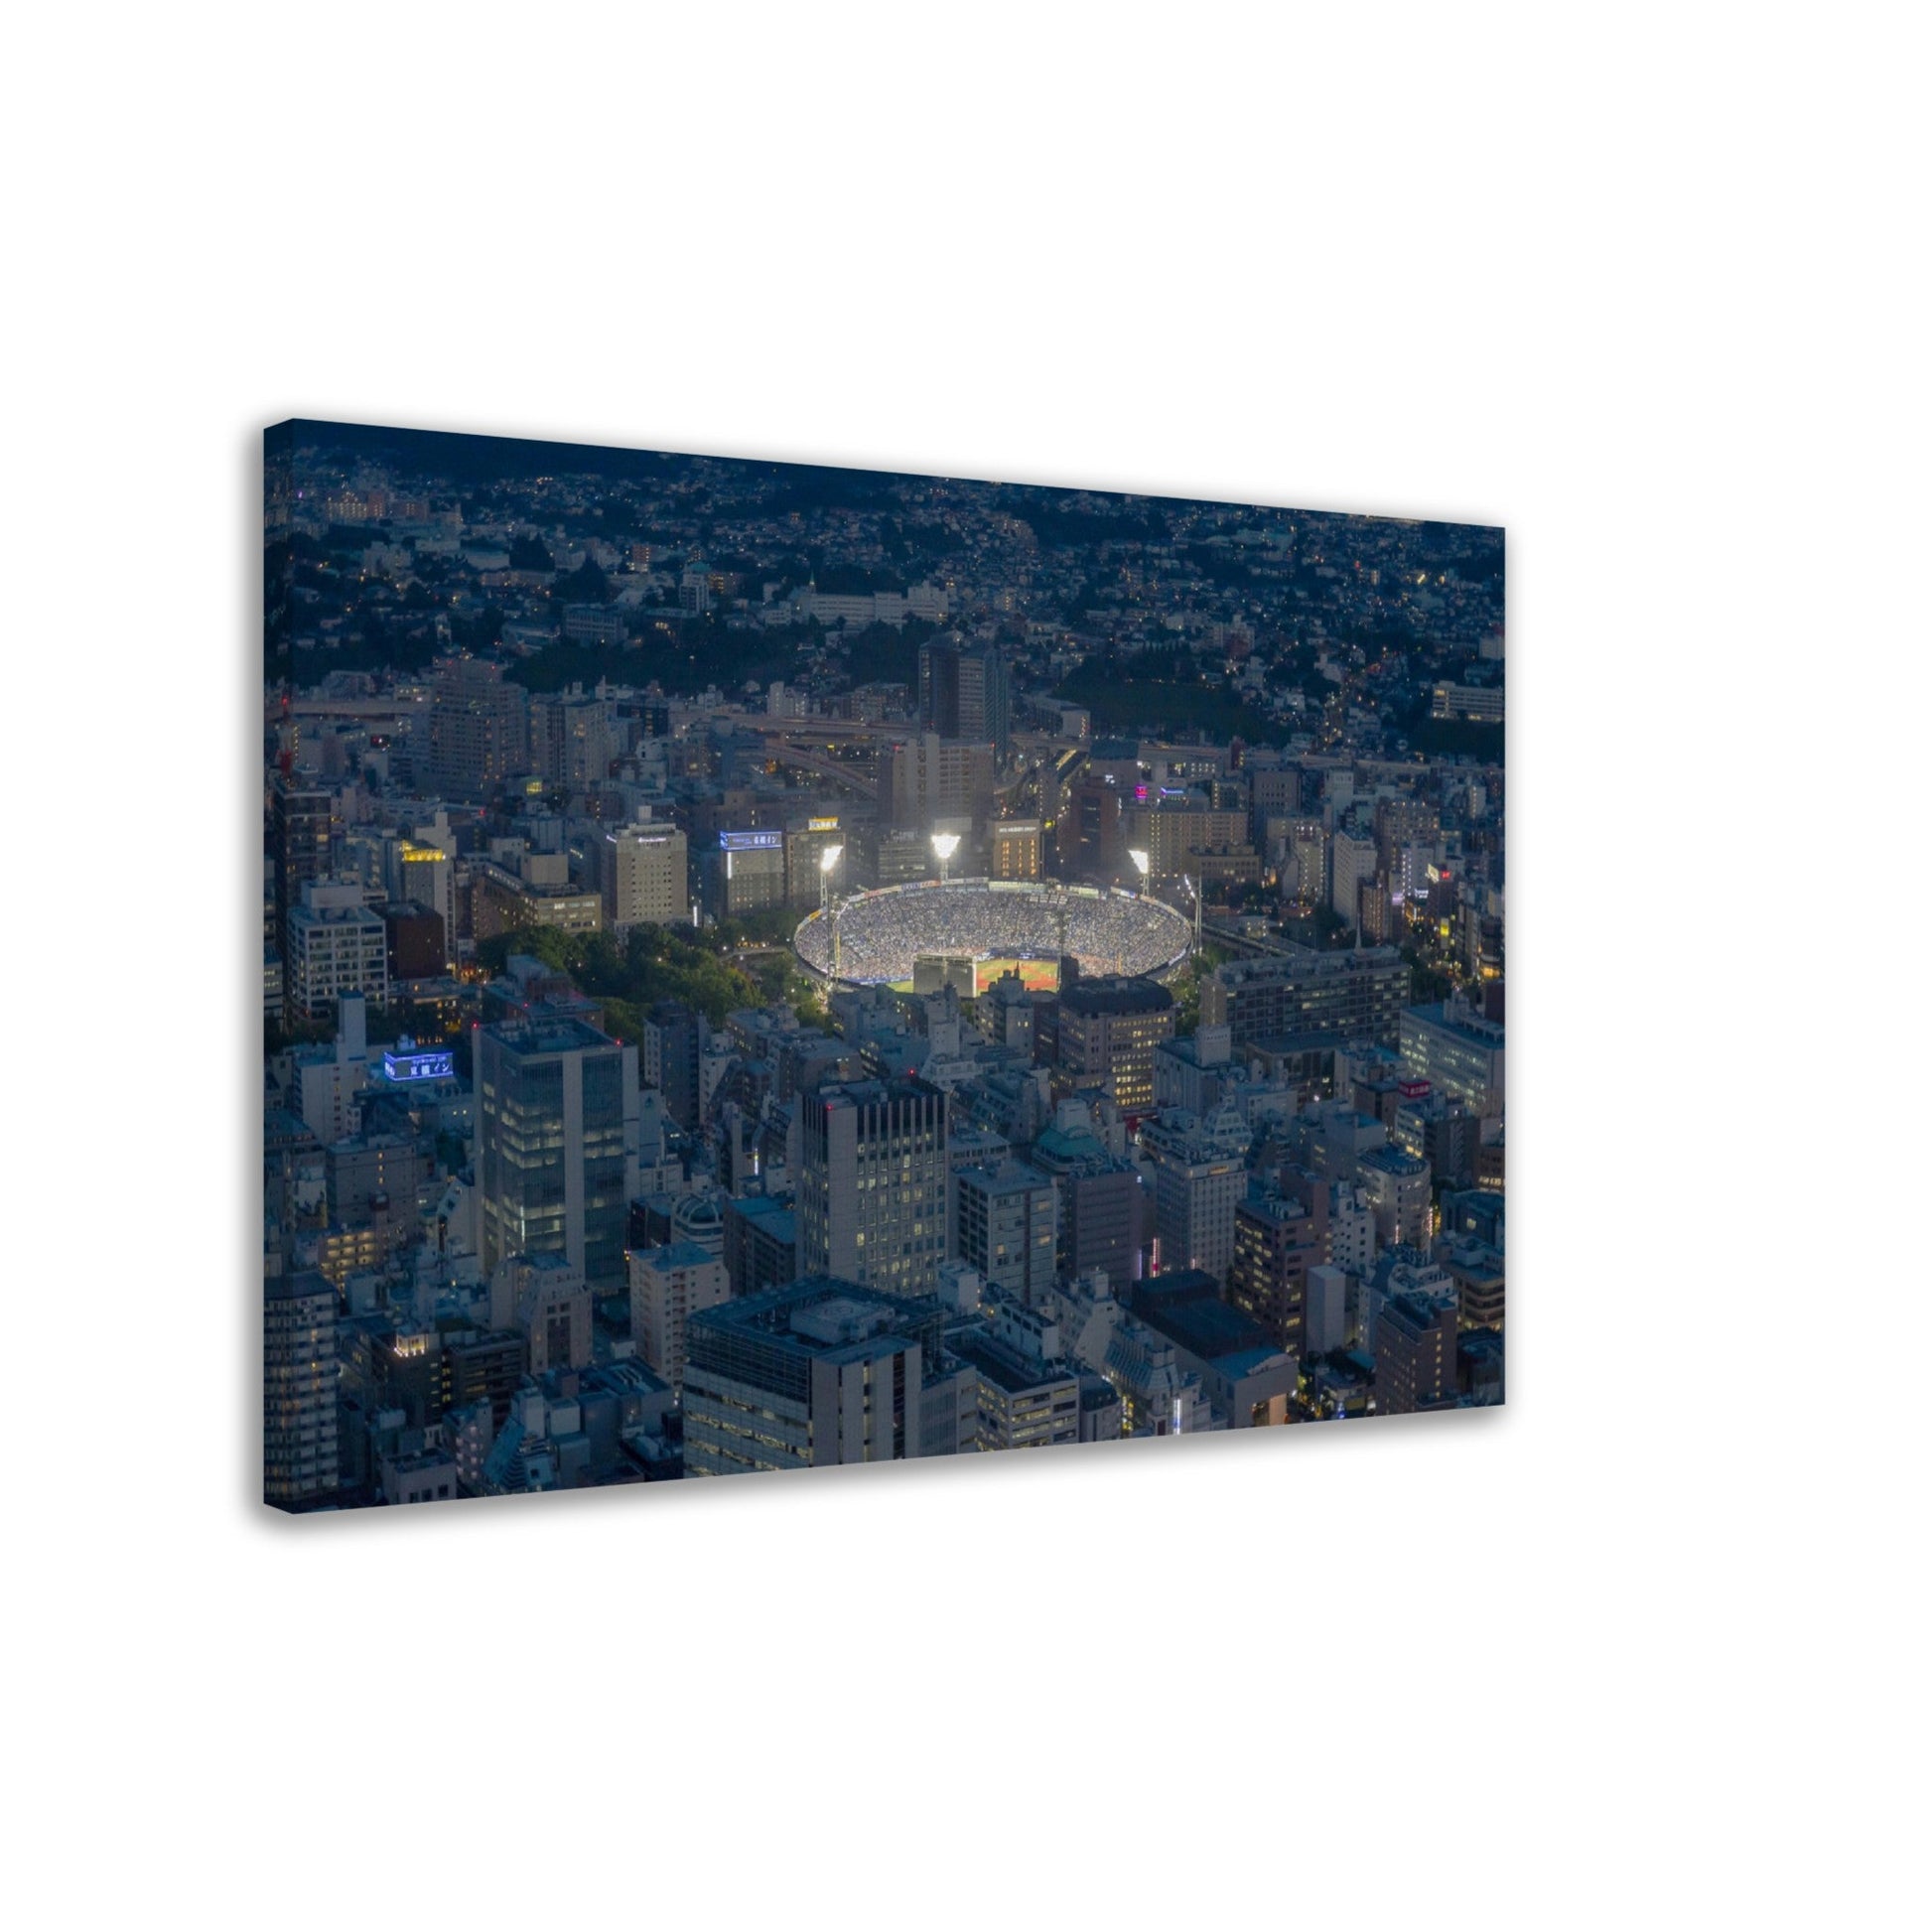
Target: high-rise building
(745, 871)
(1103, 1206)
(302, 826)
(298, 1372)
(1006, 1222)
(1397, 1186)
(1200, 1175)
(1356, 995)
(1091, 842)
(573, 739)
(1109, 1028)
(1307, 873)
(545, 1298)
(669, 1286)
(964, 692)
(556, 1126)
(807, 840)
(645, 876)
(1457, 1049)
(872, 1184)
(822, 1371)
(1016, 849)
(674, 1047)
(1351, 862)
(337, 946)
(479, 728)
(927, 777)
(1175, 835)
(1414, 1355)
(760, 1247)
(1276, 1241)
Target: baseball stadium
(975, 930)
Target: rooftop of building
(1115, 993)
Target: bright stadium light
(826, 861)
(1139, 858)
(945, 844)
(829, 857)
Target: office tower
(1356, 995)
(924, 779)
(302, 825)
(546, 1300)
(1276, 1241)
(1397, 1186)
(873, 1184)
(761, 1244)
(337, 946)
(674, 1046)
(1414, 1355)
(1351, 861)
(822, 1371)
(1006, 1222)
(1018, 851)
(1200, 1175)
(298, 1372)
(1193, 1073)
(669, 1286)
(646, 877)
(1109, 1028)
(745, 871)
(556, 1122)
(964, 692)
(422, 873)
(1457, 1049)
(479, 728)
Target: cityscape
(766, 966)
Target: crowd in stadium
(881, 934)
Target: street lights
(944, 844)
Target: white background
(1640, 283)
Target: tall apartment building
(556, 1134)
(337, 946)
(1276, 1241)
(1351, 864)
(1006, 1222)
(927, 777)
(819, 1373)
(1174, 836)
(479, 728)
(1016, 849)
(964, 692)
(761, 1244)
(1109, 1028)
(644, 873)
(298, 1427)
(871, 1185)
(1307, 873)
(1356, 995)
(1414, 1355)
(669, 1286)
(1103, 1206)
(574, 738)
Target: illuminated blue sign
(751, 841)
(439, 1065)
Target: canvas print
(766, 966)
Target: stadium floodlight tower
(826, 911)
(944, 845)
(1139, 863)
